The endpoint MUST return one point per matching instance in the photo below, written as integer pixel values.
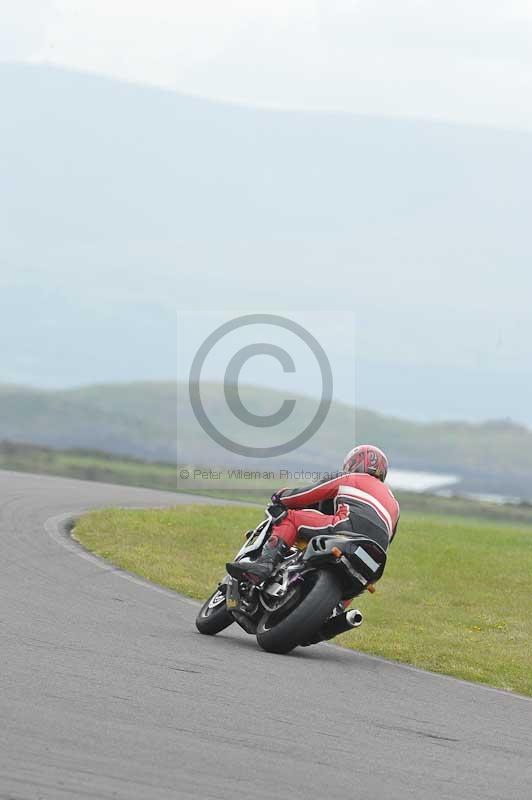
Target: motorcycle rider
(361, 503)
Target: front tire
(214, 616)
(305, 620)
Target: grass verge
(455, 598)
(92, 465)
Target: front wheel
(278, 633)
(214, 616)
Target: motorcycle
(301, 603)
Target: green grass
(184, 548)
(87, 465)
(455, 597)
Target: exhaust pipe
(355, 618)
(341, 624)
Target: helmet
(366, 458)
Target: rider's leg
(272, 554)
(308, 523)
(305, 522)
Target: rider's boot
(263, 568)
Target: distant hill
(130, 419)
(122, 203)
(141, 420)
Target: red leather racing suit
(361, 504)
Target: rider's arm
(396, 523)
(308, 495)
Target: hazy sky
(466, 61)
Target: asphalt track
(107, 691)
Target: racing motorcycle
(301, 603)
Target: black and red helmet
(366, 458)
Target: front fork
(232, 595)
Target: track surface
(107, 691)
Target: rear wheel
(280, 633)
(214, 616)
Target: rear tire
(305, 620)
(214, 616)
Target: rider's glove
(277, 497)
(277, 512)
